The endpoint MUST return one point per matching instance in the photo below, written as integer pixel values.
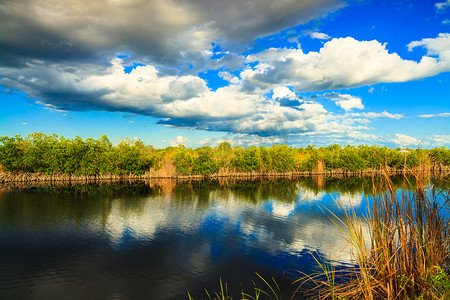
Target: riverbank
(9, 177)
(40, 157)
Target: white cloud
(371, 90)
(347, 102)
(283, 92)
(439, 46)
(438, 140)
(319, 36)
(404, 140)
(85, 86)
(252, 117)
(24, 123)
(344, 63)
(430, 141)
(180, 101)
(441, 115)
(441, 6)
(226, 102)
(179, 141)
(373, 115)
(229, 77)
(446, 21)
(350, 121)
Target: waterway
(163, 239)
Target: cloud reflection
(163, 238)
(270, 224)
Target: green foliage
(309, 164)
(53, 154)
(331, 155)
(246, 159)
(183, 161)
(266, 159)
(11, 152)
(440, 282)
(282, 158)
(350, 159)
(224, 154)
(441, 155)
(373, 156)
(204, 163)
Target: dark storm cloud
(166, 32)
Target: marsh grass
(266, 289)
(408, 248)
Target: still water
(161, 239)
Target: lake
(161, 239)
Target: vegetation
(408, 251)
(269, 290)
(53, 154)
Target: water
(160, 240)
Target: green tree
(11, 153)
(183, 160)
(282, 158)
(204, 163)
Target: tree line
(53, 154)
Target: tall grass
(408, 248)
(269, 290)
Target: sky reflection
(165, 238)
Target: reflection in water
(157, 240)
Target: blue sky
(248, 72)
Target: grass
(271, 291)
(408, 250)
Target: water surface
(161, 239)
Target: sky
(247, 72)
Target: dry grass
(408, 249)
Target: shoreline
(11, 178)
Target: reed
(269, 290)
(408, 250)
